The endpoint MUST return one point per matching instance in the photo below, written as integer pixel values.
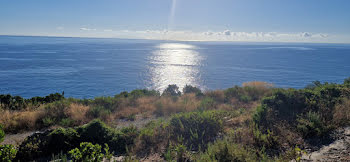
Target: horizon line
(88, 37)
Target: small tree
(191, 89)
(172, 90)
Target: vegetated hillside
(255, 122)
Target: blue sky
(214, 20)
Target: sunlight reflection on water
(175, 63)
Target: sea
(91, 67)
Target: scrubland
(252, 122)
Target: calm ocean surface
(86, 67)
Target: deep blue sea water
(86, 67)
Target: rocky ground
(339, 150)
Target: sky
(326, 21)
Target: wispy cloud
(87, 29)
(60, 28)
(224, 35)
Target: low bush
(63, 140)
(197, 129)
(7, 153)
(18, 103)
(89, 152)
(172, 90)
(341, 116)
(177, 152)
(152, 138)
(311, 125)
(225, 150)
(207, 103)
(191, 89)
(264, 140)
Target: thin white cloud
(60, 28)
(224, 35)
(227, 32)
(87, 29)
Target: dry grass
(258, 84)
(341, 114)
(128, 107)
(166, 106)
(20, 120)
(77, 112)
(217, 95)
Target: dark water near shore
(85, 67)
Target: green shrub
(118, 140)
(207, 103)
(264, 140)
(172, 90)
(226, 151)
(239, 93)
(2, 134)
(66, 122)
(191, 89)
(107, 103)
(286, 104)
(87, 152)
(47, 144)
(143, 92)
(245, 98)
(151, 137)
(177, 153)
(54, 111)
(260, 116)
(196, 128)
(311, 125)
(48, 121)
(62, 140)
(34, 146)
(7, 153)
(53, 142)
(98, 111)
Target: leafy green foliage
(191, 89)
(2, 134)
(48, 121)
(18, 103)
(310, 111)
(172, 90)
(53, 142)
(196, 128)
(98, 111)
(87, 152)
(311, 125)
(264, 140)
(207, 103)
(7, 153)
(225, 150)
(177, 153)
(97, 132)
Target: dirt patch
(16, 139)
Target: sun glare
(175, 63)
